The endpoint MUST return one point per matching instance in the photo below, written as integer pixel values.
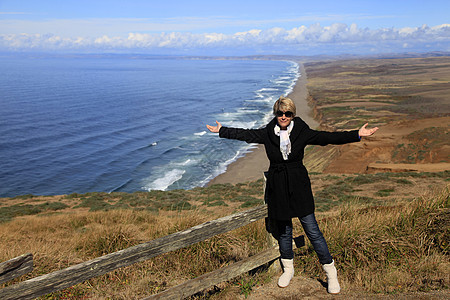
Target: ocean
(104, 124)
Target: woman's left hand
(363, 131)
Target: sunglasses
(288, 114)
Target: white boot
(333, 284)
(288, 272)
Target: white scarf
(285, 142)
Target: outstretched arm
(315, 137)
(214, 129)
(246, 135)
(363, 131)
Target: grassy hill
(385, 237)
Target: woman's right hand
(214, 129)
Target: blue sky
(225, 27)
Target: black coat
(288, 188)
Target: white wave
(267, 90)
(280, 82)
(240, 113)
(200, 133)
(249, 111)
(264, 98)
(165, 181)
(282, 79)
(187, 162)
(241, 124)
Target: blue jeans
(313, 233)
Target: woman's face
(284, 118)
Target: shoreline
(252, 165)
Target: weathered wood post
(16, 267)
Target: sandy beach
(252, 166)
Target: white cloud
(333, 36)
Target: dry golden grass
(389, 249)
(58, 241)
(395, 248)
(368, 232)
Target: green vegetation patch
(403, 181)
(341, 190)
(7, 213)
(384, 192)
(95, 202)
(422, 144)
(332, 195)
(249, 193)
(27, 196)
(217, 203)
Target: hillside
(383, 204)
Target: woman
(288, 188)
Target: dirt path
(302, 287)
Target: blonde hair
(284, 104)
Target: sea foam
(165, 180)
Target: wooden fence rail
(16, 267)
(205, 281)
(70, 276)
